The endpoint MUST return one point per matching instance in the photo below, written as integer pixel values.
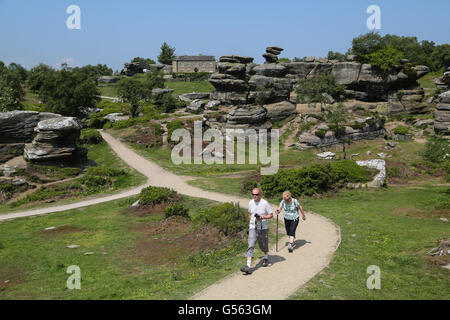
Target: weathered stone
(114, 117)
(188, 97)
(279, 111)
(56, 140)
(230, 97)
(300, 69)
(326, 155)
(346, 72)
(235, 69)
(270, 70)
(236, 59)
(211, 104)
(270, 58)
(320, 69)
(236, 85)
(108, 79)
(161, 91)
(18, 126)
(247, 114)
(196, 106)
(310, 59)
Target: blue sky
(113, 32)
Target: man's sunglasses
(255, 194)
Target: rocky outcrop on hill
(443, 83)
(442, 114)
(56, 141)
(321, 135)
(107, 79)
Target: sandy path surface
(317, 237)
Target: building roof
(195, 58)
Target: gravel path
(318, 237)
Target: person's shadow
(297, 244)
(273, 259)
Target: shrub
(248, 185)
(437, 150)
(447, 170)
(312, 90)
(172, 126)
(90, 136)
(401, 130)
(155, 195)
(226, 217)
(176, 209)
(316, 178)
(320, 133)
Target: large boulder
(270, 70)
(299, 69)
(279, 111)
(234, 69)
(56, 141)
(346, 72)
(18, 126)
(236, 59)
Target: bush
(320, 133)
(248, 185)
(90, 136)
(172, 126)
(312, 90)
(176, 209)
(226, 217)
(437, 150)
(316, 178)
(401, 130)
(447, 171)
(191, 76)
(155, 195)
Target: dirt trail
(318, 237)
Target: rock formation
(442, 114)
(321, 135)
(16, 129)
(56, 141)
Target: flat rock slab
(73, 246)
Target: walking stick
(277, 235)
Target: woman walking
(291, 216)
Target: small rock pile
(56, 141)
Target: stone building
(194, 64)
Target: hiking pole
(277, 234)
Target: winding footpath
(318, 237)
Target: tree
(337, 117)
(69, 92)
(336, 56)
(154, 79)
(20, 71)
(37, 76)
(366, 44)
(385, 60)
(147, 61)
(441, 57)
(132, 91)
(167, 54)
(11, 91)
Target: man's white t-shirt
(262, 207)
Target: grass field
(133, 256)
(391, 228)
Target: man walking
(259, 211)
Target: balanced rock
(279, 111)
(56, 140)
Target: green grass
(392, 229)
(427, 83)
(180, 87)
(36, 264)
